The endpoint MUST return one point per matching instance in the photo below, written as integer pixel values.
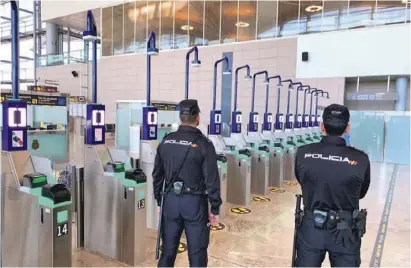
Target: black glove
(343, 232)
(343, 235)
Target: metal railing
(76, 56)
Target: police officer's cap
(336, 113)
(189, 107)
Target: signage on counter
(77, 99)
(37, 100)
(371, 96)
(48, 89)
(165, 106)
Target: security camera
(74, 73)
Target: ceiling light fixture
(187, 27)
(313, 8)
(242, 24)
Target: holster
(178, 187)
(360, 222)
(325, 219)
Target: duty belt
(329, 219)
(179, 188)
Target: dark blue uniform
(333, 178)
(188, 211)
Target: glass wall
(267, 19)
(184, 23)
(212, 20)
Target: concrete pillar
(52, 39)
(401, 85)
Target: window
(247, 20)
(196, 15)
(118, 47)
(107, 32)
(212, 22)
(361, 14)
(140, 34)
(310, 16)
(335, 15)
(229, 21)
(153, 19)
(182, 26)
(167, 25)
(288, 18)
(389, 12)
(267, 19)
(129, 8)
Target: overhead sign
(165, 106)
(48, 89)
(37, 100)
(77, 99)
(372, 96)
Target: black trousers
(188, 213)
(314, 243)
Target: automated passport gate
(238, 170)
(35, 211)
(222, 164)
(222, 172)
(288, 147)
(36, 214)
(276, 165)
(276, 169)
(259, 162)
(291, 148)
(299, 137)
(114, 205)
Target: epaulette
(357, 150)
(165, 136)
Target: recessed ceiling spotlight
(313, 8)
(187, 27)
(242, 24)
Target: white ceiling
(78, 21)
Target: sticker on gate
(261, 199)
(291, 183)
(220, 226)
(277, 190)
(240, 210)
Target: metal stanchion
(79, 195)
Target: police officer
(187, 161)
(333, 178)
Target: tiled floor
(264, 237)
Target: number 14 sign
(62, 229)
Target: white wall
(361, 52)
(123, 77)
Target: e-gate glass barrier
(367, 133)
(397, 138)
(385, 136)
